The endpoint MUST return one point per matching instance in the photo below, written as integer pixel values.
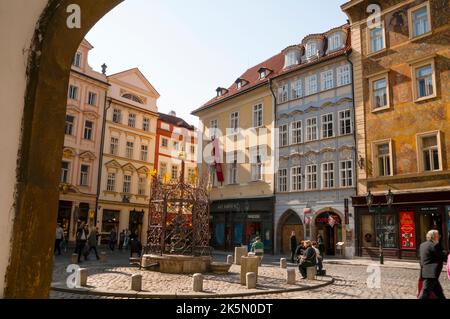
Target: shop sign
(407, 230)
(429, 209)
(253, 216)
(91, 214)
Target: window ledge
(429, 97)
(420, 37)
(372, 54)
(379, 109)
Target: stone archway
(53, 46)
(331, 234)
(289, 221)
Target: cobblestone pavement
(350, 281)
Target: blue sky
(188, 48)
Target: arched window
(132, 97)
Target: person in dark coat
(321, 245)
(293, 246)
(300, 250)
(81, 238)
(432, 258)
(308, 259)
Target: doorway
(328, 225)
(288, 222)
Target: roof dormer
(313, 46)
(336, 39)
(240, 82)
(221, 91)
(263, 73)
(292, 56)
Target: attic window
(262, 74)
(335, 41)
(133, 97)
(240, 83)
(292, 57)
(221, 91)
(311, 49)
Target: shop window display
(387, 231)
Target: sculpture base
(179, 264)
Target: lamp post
(389, 202)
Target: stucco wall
(13, 63)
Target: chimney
(172, 113)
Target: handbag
(420, 287)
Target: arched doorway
(52, 48)
(289, 221)
(328, 224)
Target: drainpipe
(100, 160)
(356, 239)
(274, 174)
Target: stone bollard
(81, 278)
(229, 259)
(283, 263)
(249, 264)
(198, 283)
(103, 257)
(136, 282)
(74, 259)
(311, 273)
(251, 280)
(290, 280)
(239, 252)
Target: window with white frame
(424, 81)
(291, 58)
(327, 80)
(311, 84)
(130, 149)
(132, 120)
(174, 172)
(283, 135)
(257, 115)
(327, 125)
(311, 49)
(284, 93)
(65, 168)
(380, 93)
(430, 152)
(144, 153)
(419, 19)
(146, 124)
(111, 182)
(77, 60)
(213, 126)
(335, 41)
(328, 175)
(343, 75)
(92, 98)
(296, 132)
(346, 173)
(126, 184)
(164, 142)
(311, 129)
(257, 167)
(262, 74)
(311, 177)
(234, 121)
(73, 92)
(282, 180)
(70, 121)
(296, 89)
(84, 175)
(296, 179)
(232, 172)
(142, 185)
(383, 157)
(117, 116)
(114, 146)
(162, 170)
(345, 122)
(376, 39)
(88, 130)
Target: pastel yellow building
(238, 148)
(129, 154)
(79, 167)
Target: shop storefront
(237, 222)
(401, 228)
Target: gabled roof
(139, 74)
(175, 121)
(275, 64)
